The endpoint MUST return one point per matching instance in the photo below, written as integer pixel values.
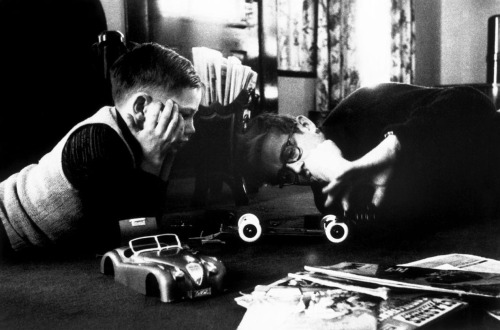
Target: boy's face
(287, 152)
(188, 101)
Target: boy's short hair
(151, 67)
(250, 143)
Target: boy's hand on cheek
(162, 126)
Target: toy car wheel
(109, 267)
(336, 232)
(327, 219)
(249, 228)
(247, 217)
(152, 286)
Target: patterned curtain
(337, 69)
(403, 41)
(296, 22)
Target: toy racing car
(250, 229)
(160, 266)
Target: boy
(112, 166)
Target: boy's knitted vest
(38, 205)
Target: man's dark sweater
(449, 163)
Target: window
(373, 41)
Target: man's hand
(326, 164)
(343, 177)
(162, 127)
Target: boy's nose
(189, 127)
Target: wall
(296, 95)
(450, 47)
(428, 42)
(452, 40)
(115, 14)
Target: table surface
(68, 292)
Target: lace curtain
(320, 36)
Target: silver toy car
(160, 266)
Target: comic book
(450, 281)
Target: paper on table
(459, 261)
(464, 262)
(274, 307)
(457, 282)
(380, 292)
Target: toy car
(160, 266)
(250, 228)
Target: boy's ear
(141, 101)
(305, 124)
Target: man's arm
(342, 177)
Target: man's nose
(297, 167)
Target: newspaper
(308, 300)
(467, 262)
(327, 282)
(457, 282)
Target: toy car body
(160, 266)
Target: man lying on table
(393, 152)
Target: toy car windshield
(154, 243)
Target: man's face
(276, 150)
(188, 101)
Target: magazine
(299, 303)
(450, 281)
(223, 78)
(465, 262)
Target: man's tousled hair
(151, 66)
(250, 143)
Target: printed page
(307, 307)
(458, 282)
(296, 302)
(223, 80)
(467, 262)
(229, 75)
